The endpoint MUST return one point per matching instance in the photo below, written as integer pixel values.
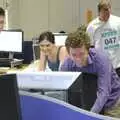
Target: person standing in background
(2, 18)
(104, 32)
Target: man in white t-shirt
(104, 32)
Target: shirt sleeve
(104, 84)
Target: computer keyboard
(5, 62)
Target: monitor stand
(14, 62)
(11, 54)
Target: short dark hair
(78, 39)
(2, 12)
(48, 36)
(103, 4)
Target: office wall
(35, 16)
(55, 15)
(87, 5)
(39, 15)
(1, 3)
(63, 15)
(13, 13)
(116, 7)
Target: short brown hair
(78, 39)
(103, 4)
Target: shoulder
(62, 50)
(62, 53)
(100, 58)
(98, 53)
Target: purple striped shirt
(108, 81)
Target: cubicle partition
(39, 107)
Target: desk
(4, 70)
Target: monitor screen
(60, 39)
(11, 41)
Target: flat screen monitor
(9, 98)
(11, 41)
(60, 39)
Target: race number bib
(111, 40)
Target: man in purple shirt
(85, 59)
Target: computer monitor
(11, 41)
(78, 89)
(9, 98)
(60, 39)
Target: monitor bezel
(14, 30)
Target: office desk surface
(4, 70)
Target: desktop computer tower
(9, 98)
(82, 93)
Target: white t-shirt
(106, 37)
